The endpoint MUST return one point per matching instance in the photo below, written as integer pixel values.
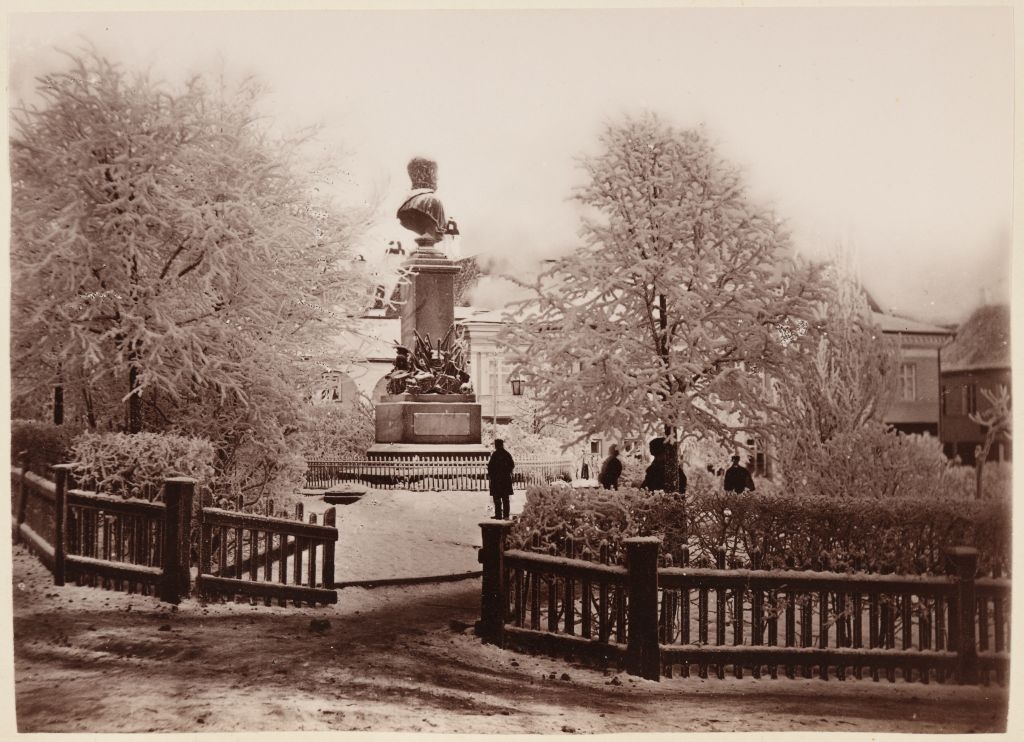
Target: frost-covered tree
(682, 297)
(847, 375)
(171, 255)
(996, 422)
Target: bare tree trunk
(134, 399)
(90, 413)
(671, 459)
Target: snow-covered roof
(892, 323)
(983, 341)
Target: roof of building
(892, 323)
(983, 341)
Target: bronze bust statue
(422, 212)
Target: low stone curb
(408, 580)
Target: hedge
(901, 535)
(135, 465)
(44, 445)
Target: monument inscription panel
(440, 423)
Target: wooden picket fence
(243, 554)
(435, 474)
(715, 622)
(98, 540)
(33, 516)
(144, 546)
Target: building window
(908, 382)
(968, 399)
(595, 447)
(495, 372)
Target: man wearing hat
(499, 475)
(737, 478)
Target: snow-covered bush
(596, 516)
(874, 461)
(45, 444)
(136, 465)
(338, 432)
(903, 535)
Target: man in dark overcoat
(737, 478)
(611, 469)
(499, 476)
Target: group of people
(501, 465)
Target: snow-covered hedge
(136, 465)
(596, 516)
(902, 535)
(45, 444)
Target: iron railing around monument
(435, 474)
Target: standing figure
(499, 476)
(611, 469)
(584, 467)
(654, 477)
(737, 478)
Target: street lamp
(517, 382)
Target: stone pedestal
(428, 418)
(429, 296)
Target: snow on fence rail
(654, 619)
(435, 474)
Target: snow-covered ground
(394, 659)
(390, 534)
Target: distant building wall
(915, 405)
(960, 397)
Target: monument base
(428, 451)
(448, 419)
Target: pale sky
(888, 131)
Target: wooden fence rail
(722, 621)
(33, 522)
(439, 474)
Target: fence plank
(330, 518)
(60, 516)
(311, 571)
(570, 591)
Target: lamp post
(516, 381)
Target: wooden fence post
(60, 518)
(205, 561)
(964, 563)
(643, 656)
(493, 593)
(178, 494)
(330, 519)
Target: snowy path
(397, 533)
(391, 660)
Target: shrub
(45, 444)
(338, 432)
(136, 465)
(873, 461)
(903, 535)
(596, 516)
